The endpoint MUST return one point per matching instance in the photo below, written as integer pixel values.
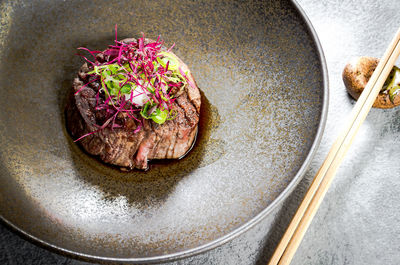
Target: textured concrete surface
(359, 220)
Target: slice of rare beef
(122, 146)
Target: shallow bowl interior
(263, 92)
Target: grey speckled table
(359, 220)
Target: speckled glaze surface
(264, 97)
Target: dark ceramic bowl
(264, 89)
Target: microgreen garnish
(137, 79)
(392, 84)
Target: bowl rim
(245, 226)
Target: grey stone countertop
(359, 220)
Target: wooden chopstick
(298, 226)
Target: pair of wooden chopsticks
(298, 226)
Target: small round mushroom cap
(356, 75)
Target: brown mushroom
(357, 73)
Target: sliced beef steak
(122, 146)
